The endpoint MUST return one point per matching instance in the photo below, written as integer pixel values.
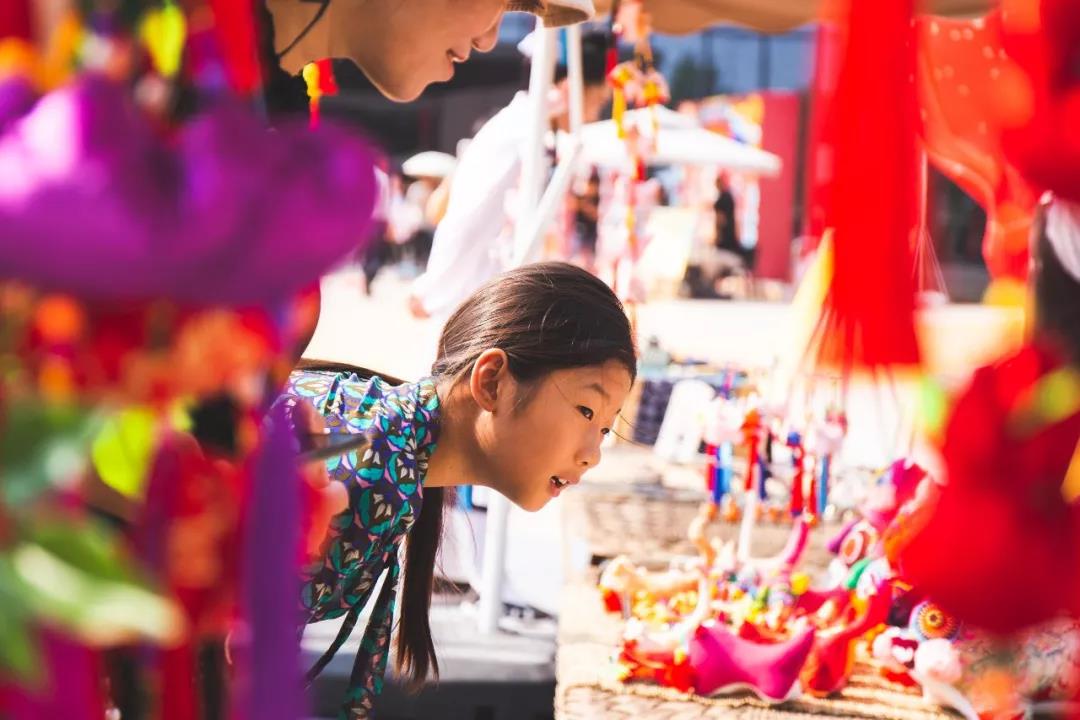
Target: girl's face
(405, 45)
(540, 438)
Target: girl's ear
(489, 377)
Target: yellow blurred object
(123, 450)
(163, 30)
(17, 59)
(933, 409)
(805, 310)
(1006, 292)
(311, 74)
(62, 49)
(1055, 397)
(800, 583)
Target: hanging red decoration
(15, 19)
(969, 90)
(237, 32)
(867, 318)
(1042, 38)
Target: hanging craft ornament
(722, 431)
(163, 30)
(320, 81)
(798, 455)
(237, 35)
(868, 315)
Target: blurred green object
(933, 406)
(18, 654)
(82, 580)
(43, 446)
(74, 575)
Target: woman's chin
(534, 502)
(404, 90)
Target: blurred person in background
(474, 241)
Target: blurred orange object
(969, 91)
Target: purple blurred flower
(94, 202)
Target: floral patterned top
(385, 484)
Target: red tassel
(868, 315)
(320, 81)
(611, 59)
(15, 19)
(710, 467)
(751, 428)
(327, 81)
(237, 32)
(797, 501)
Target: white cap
(429, 164)
(556, 13)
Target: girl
(531, 372)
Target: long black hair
(545, 317)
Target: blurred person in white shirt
(474, 240)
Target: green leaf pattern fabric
(385, 485)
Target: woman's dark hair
(1057, 294)
(545, 317)
(284, 94)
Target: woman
(402, 46)
(531, 372)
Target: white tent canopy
(680, 140)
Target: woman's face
(549, 430)
(405, 45)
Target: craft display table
(648, 523)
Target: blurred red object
(15, 19)
(869, 132)
(1042, 38)
(969, 91)
(1002, 543)
(237, 33)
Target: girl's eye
(585, 412)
